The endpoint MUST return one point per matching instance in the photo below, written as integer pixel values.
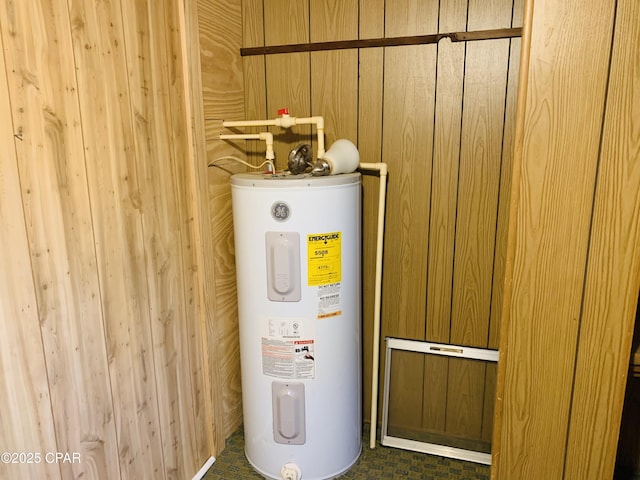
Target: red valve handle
(283, 111)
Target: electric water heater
(297, 248)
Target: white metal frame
(431, 349)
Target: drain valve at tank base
(290, 471)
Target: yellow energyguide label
(324, 258)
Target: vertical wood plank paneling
(220, 39)
(198, 197)
(162, 225)
(516, 171)
(502, 225)
(253, 35)
(409, 102)
(505, 180)
(369, 127)
(518, 13)
(53, 180)
(110, 219)
(221, 35)
(554, 193)
(410, 17)
(613, 272)
(226, 345)
(116, 202)
(26, 422)
(288, 78)
(444, 194)
(334, 74)
(192, 387)
(446, 156)
(254, 72)
(486, 65)
(162, 146)
(409, 80)
(371, 18)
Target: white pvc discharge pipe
(375, 369)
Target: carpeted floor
(377, 464)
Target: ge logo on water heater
(280, 211)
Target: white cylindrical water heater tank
(297, 241)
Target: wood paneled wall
(441, 116)
(220, 39)
(573, 271)
(101, 313)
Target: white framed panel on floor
(428, 348)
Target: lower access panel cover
(288, 413)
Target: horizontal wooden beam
(383, 42)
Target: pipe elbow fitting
(267, 137)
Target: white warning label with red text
(288, 349)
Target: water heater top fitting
(342, 157)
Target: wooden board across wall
(102, 352)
